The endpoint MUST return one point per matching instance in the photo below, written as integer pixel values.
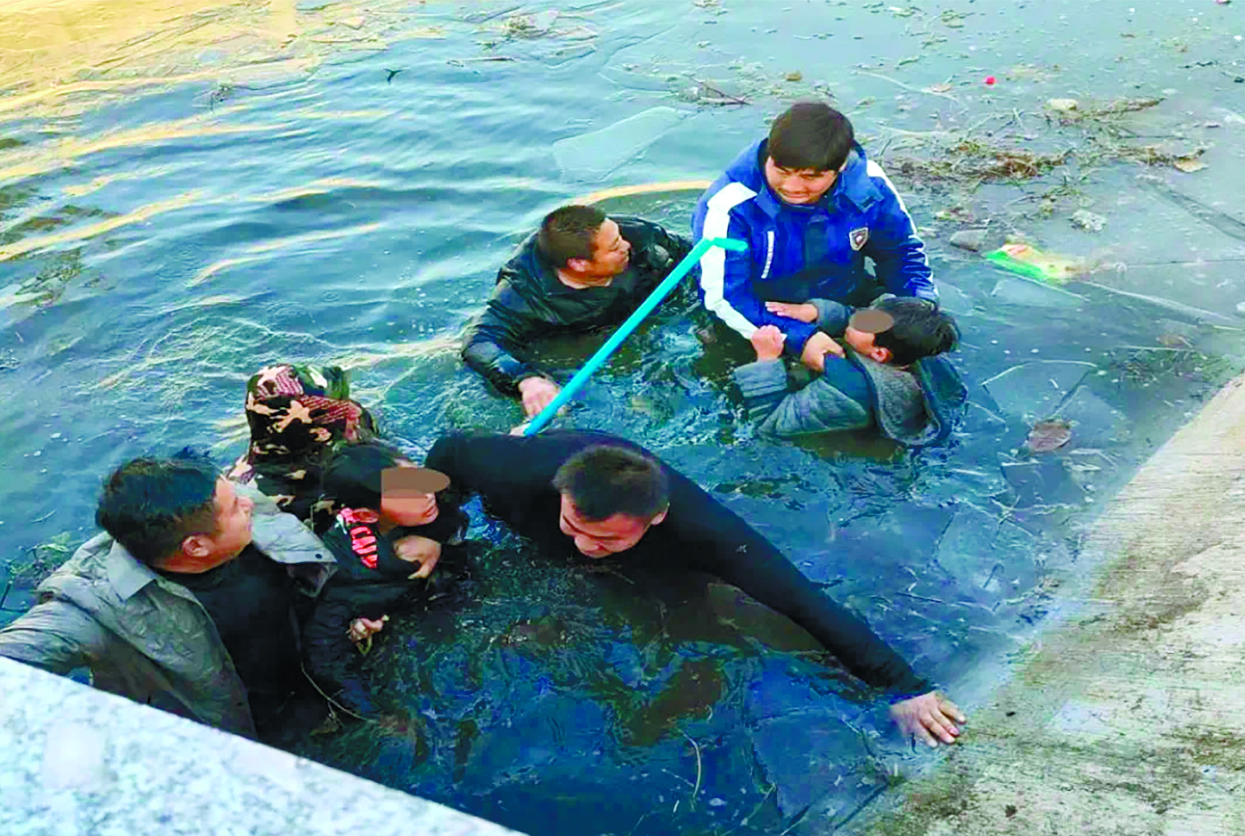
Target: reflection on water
(187, 194)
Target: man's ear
(882, 355)
(196, 545)
(577, 265)
(657, 520)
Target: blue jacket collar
(854, 184)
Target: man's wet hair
(352, 474)
(569, 232)
(607, 479)
(920, 329)
(810, 135)
(151, 505)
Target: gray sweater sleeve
(55, 636)
(816, 408)
(832, 317)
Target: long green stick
(654, 299)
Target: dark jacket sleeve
(332, 659)
(492, 339)
(494, 467)
(647, 234)
(721, 543)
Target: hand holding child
(816, 349)
(805, 312)
(768, 342)
(420, 550)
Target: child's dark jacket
(371, 581)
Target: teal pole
(654, 299)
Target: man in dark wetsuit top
(579, 272)
(604, 497)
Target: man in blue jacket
(811, 207)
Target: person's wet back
(589, 494)
(388, 535)
(189, 602)
(891, 374)
(579, 272)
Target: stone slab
(74, 760)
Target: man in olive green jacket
(187, 603)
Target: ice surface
(1035, 389)
(592, 156)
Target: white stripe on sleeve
(713, 263)
(875, 170)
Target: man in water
(186, 603)
(811, 207)
(579, 272)
(589, 494)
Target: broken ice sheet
(1035, 389)
(803, 753)
(984, 557)
(594, 155)
(1021, 292)
(953, 300)
(1094, 421)
(905, 534)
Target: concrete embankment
(1129, 716)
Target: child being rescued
(889, 373)
(393, 519)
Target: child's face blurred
(860, 341)
(862, 328)
(405, 506)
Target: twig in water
(46, 516)
(5, 596)
(921, 598)
(637, 824)
(908, 86)
(695, 789)
(677, 775)
(755, 810)
(719, 93)
(332, 702)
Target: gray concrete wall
(1129, 717)
(74, 760)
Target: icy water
(186, 198)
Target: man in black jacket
(596, 495)
(580, 271)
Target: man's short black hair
(352, 476)
(151, 505)
(568, 232)
(810, 135)
(920, 329)
(608, 479)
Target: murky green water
(157, 248)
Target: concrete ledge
(1127, 718)
(74, 760)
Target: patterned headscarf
(296, 414)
